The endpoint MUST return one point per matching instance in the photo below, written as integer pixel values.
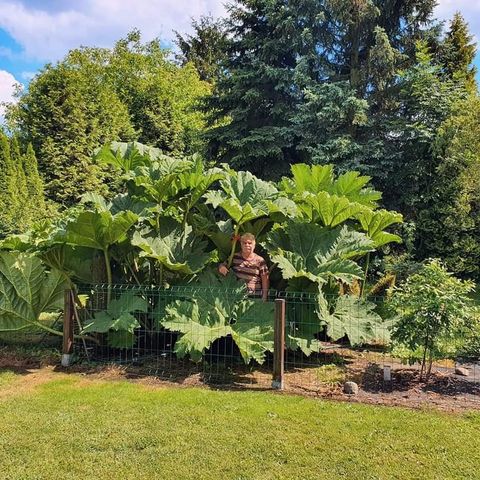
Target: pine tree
(253, 107)
(458, 52)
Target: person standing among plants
(249, 267)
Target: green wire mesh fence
(225, 336)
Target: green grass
(6, 377)
(117, 430)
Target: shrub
(435, 315)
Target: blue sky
(34, 32)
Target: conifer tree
(7, 187)
(286, 60)
(34, 183)
(459, 51)
(205, 48)
(21, 214)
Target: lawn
(75, 427)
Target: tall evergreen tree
(22, 214)
(34, 183)
(7, 187)
(458, 52)
(205, 48)
(254, 105)
(449, 224)
(285, 56)
(67, 112)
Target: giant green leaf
(99, 230)
(245, 197)
(179, 250)
(355, 318)
(127, 156)
(302, 324)
(118, 320)
(191, 185)
(375, 222)
(27, 290)
(328, 210)
(308, 178)
(214, 311)
(315, 179)
(155, 181)
(354, 186)
(317, 253)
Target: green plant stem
(367, 265)
(109, 273)
(234, 244)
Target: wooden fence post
(67, 328)
(279, 344)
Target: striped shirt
(250, 270)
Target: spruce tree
(313, 80)
(254, 106)
(205, 48)
(458, 52)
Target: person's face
(248, 246)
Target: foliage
(205, 48)
(174, 216)
(179, 250)
(434, 314)
(220, 309)
(160, 96)
(458, 52)
(94, 96)
(99, 230)
(449, 226)
(245, 199)
(312, 81)
(317, 253)
(118, 320)
(355, 319)
(27, 289)
(22, 199)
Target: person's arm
(265, 286)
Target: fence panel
(197, 335)
(332, 341)
(183, 334)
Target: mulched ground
(322, 378)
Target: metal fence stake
(68, 319)
(279, 345)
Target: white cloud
(47, 34)
(8, 85)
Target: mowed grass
(76, 428)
